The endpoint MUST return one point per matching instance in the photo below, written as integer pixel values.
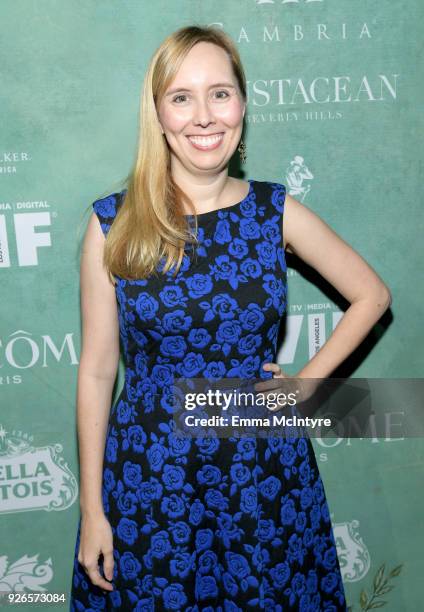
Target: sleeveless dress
(209, 524)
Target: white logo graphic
(25, 573)
(27, 239)
(33, 478)
(297, 173)
(353, 555)
(317, 329)
(22, 343)
(10, 161)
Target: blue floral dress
(209, 524)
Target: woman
(170, 523)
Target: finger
(273, 367)
(267, 385)
(108, 564)
(272, 384)
(98, 580)
(277, 372)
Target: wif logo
(27, 239)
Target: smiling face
(202, 110)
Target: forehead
(204, 62)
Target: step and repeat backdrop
(333, 98)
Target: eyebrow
(178, 89)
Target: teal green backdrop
(334, 113)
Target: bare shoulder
(92, 267)
(294, 215)
(310, 238)
(99, 313)
(304, 229)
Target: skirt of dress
(219, 525)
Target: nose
(203, 114)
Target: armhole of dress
(112, 202)
(99, 216)
(275, 207)
(278, 208)
(282, 216)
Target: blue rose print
(209, 524)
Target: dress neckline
(209, 213)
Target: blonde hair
(150, 224)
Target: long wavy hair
(150, 225)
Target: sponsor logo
(33, 478)
(26, 572)
(314, 318)
(12, 160)
(23, 351)
(27, 237)
(296, 175)
(353, 555)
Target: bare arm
(310, 238)
(98, 365)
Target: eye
(224, 92)
(179, 96)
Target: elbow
(384, 299)
(379, 299)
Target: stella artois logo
(33, 478)
(353, 555)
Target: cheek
(174, 119)
(231, 113)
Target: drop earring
(242, 150)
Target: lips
(206, 142)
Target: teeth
(202, 140)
